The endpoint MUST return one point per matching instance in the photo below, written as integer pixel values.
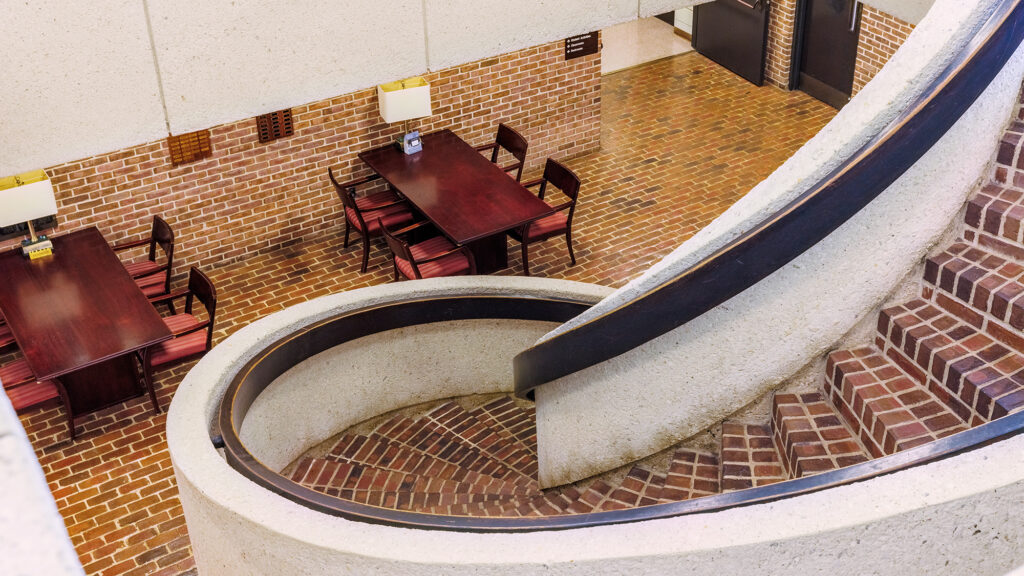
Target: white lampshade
(404, 100)
(28, 201)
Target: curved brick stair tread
(381, 453)
(471, 431)
(748, 457)
(978, 286)
(978, 377)
(995, 219)
(426, 436)
(510, 421)
(884, 407)
(810, 437)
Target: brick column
(781, 25)
(880, 36)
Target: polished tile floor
(682, 141)
(638, 42)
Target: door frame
(799, 27)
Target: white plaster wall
(910, 11)
(655, 395)
(223, 61)
(957, 516)
(77, 79)
(465, 30)
(34, 540)
(369, 376)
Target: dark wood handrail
(276, 358)
(792, 230)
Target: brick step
(690, 475)
(748, 457)
(426, 436)
(552, 502)
(810, 437)
(884, 407)
(390, 488)
(977, 286)
(472, 432)
(995, 219)
(976, 376)
(510, 421)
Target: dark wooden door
(733, 33)
(827, 50)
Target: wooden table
(77, 315)
(467, 197)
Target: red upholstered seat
(16, 373)
(181, 322)
(141, 268)
(451, 265)
(545, 227)
(393, 217)
(6, 337)
(178, 348)
(29, 395)
(372, 201)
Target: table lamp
(23, 198)
(402, 101)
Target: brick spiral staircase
(939, 364)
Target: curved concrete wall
(952, 517)
(655, 395)
(375, 374)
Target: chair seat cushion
(32, 394)
(178, 348)
(542, 228)
(152, 285)
(451, 265)
(181, 322)
(372, 201)
(393, 216)
(6, 337)
(141, 268)
(16, 373)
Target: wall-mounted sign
(582, 45)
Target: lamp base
(38, 249)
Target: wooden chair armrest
(196, 328)
(159, 269)
(131, 244)
(360, 181)
(483, 147)
(533, 183)
(168, 297)
(410, 228)
(442, 255)
(512, 167)
(561, 207)
(398, 202)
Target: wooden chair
(24, 391)
(363, 213)
(192, 337)
(514, 143)
(431, 258)
(557, 175)
(153, 278)
(6, 336)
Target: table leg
(101, 385)
(490, 254)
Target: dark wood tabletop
(76, 308)
(464, 194)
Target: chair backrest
(561, 177)
(516, 145)
(200, 287)
(163, 236)
(399, 247)
(348, 198)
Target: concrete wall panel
(224, 61)
(655, 7)
(910, 11)
(77, 78)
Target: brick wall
(781, 25)
(880, 36)
(250, 197)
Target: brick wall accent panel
(250, 197)
(880, 36)
(781, 25)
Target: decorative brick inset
(879, 37)
(809, 436)
(748, 457)
(275, 125)
(885, 408)
(978, 378)
(185, 148)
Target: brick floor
(682, 141)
